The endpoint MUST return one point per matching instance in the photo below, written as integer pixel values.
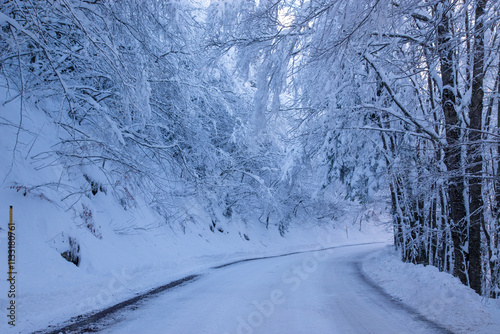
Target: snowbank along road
(313, 292)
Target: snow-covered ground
(51, 290)
(123, 249)
(438, 296)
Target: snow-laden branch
(17, 26)
(251, 175)
(369, 128)
(402, 36)
(394, 98)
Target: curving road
(314, 292)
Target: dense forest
(277, 108)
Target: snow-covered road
(314, 292)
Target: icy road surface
(315, 292)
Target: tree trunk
(475, 166)
(452, 151)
